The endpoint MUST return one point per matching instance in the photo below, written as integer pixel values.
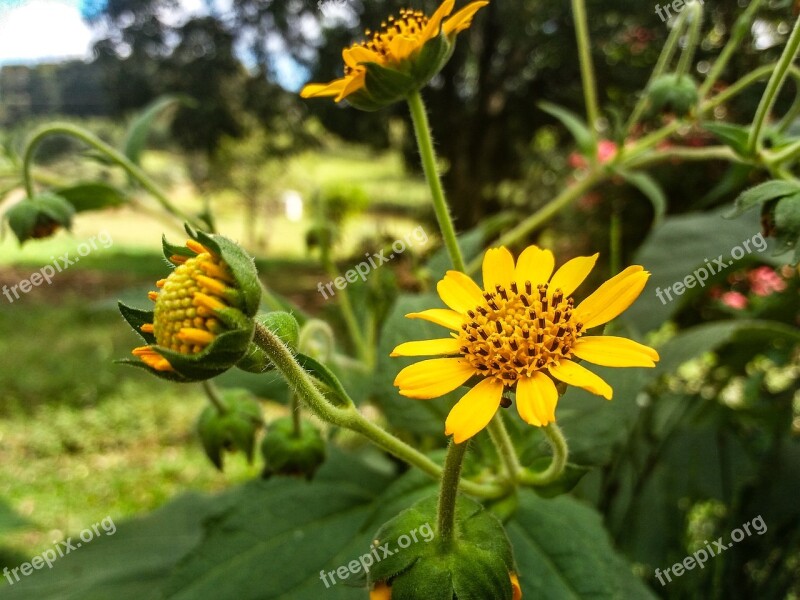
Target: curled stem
(560, 453)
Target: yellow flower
(184, 320)
(523, 332)
(400, 58)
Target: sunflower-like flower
(202, 323)
(398, 59)
(381, 591)
(522, 332)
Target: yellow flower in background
(398, 59)
(522, 332)
(381, 591)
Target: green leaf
(652, 191)
(764, 192)
(563, 552)
(136, 136)
(579, 130)
(326, 376)
(732, 135)
(569, 478)
(92, 196)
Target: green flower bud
(287, 453)
(477, 563)
(202, 324)
(232, 430)
(39, 217)
(781, 220)
(674, 93)
(285, 326)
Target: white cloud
(40, 30)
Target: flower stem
(774, 87)
(695, 12)
(428, 157)
(348, 417)
(504, 445)
(115, 155)
(587, 67)
(294, 406)
(560, 453)
(214, 397)
(448, 494)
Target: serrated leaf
(764, 192)
(650, 188)
(92, 196)
(579, 130)
(136, 136)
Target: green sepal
(47, 210)
(432, 58)
(232, 430)
(255, 360)
(382, 86)
(136, 317)
(241, 265)
(282, 324)
(170, 250)
(477, 564)
(673, 92)
(286, 453)
(171, 376)
(224, 352)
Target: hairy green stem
(428, 157)
(587, 68)
(349, 417)
(560, 454)
(773, 88)
(505, 447)
(448, 493)
(115, 155)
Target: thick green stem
(448, 494)
(587, 67)
(560, 454)
(505, 447)
(773, 88)
(349, 417)
(90, 139)
(294, 406)
(214, 397)
(425, 143)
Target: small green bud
(39, 217)
(673, 93)
(232, 430)
(282, 324)
(477, 563)
(287, 453)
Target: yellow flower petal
(322, 90)
(381, 591)
(474, 411)
(463, 18)
(572, 273)
(433, 378)
(611, 298)
(434, 23)
(610, 351)
(534, 265)
(441, 316)
(498, 268)
(401, 47)
(516, 590)
(355, 83)
(574, 374)
(359, 54)
(427, 347)
(459, 292)
(536, 399)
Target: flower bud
(202, 324)
(288, 453)
(673, 93)
(231, 430)
(282, 324)
(476, 563)
(39, 217)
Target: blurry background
(81, 438)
